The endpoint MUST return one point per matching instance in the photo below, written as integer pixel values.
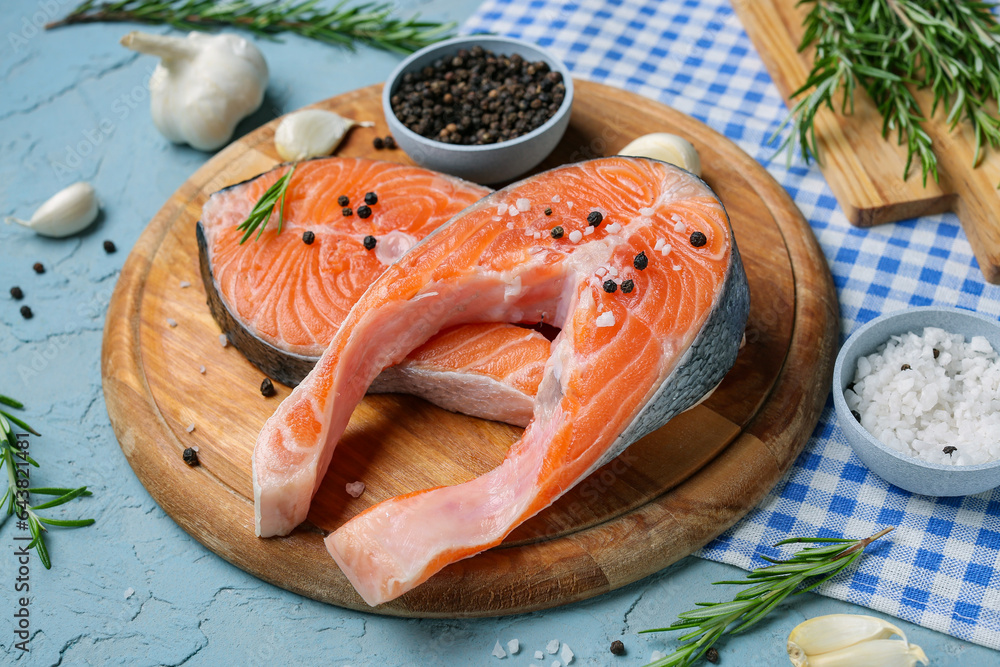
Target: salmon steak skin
(632, 259)
(280, 299)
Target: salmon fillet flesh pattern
(646, 286)
(280, 300)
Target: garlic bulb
(851, 640)
(667, 148)
(310, 133)
(203, 86)
(67, 212)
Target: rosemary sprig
(15, 498)
(888, 48)
(264, 208)
(370, 23)
(804, 571)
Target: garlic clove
(875, 653)
(823, 634)
(67, 212)
(310, 133)
(666, 148)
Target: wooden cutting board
(663, 498)
(863, 169)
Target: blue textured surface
(73, 106)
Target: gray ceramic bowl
(491, 163)
(915, 475)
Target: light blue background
(73, 106)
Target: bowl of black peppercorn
(483, 108)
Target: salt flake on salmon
(665, 344)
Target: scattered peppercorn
(949, 450)
(641, 261)
(267, 389)
(389, 142)
(39, 267)
(190, 457)
(343, 200)
(477, 97)
(378, 143)
(557, 232)
(364, 212)
(370, 242)
(857, 415)
(548, 211)
(712, 655)
(617, 648)
(610, 286)
(595, 218)
(347, 212)
(308, 238)
(109, 247)
(26, 312)
(904, 367)
(698, 239)
(627, 287)
(371, 198)
(937, 353)
(17, 293)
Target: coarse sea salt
(513, 646)
(185, 284)
(566, 654)
(190, 428)
(614, 228)
(523, 204)
(355, 489)
(171, 322)
(680, 228)
(552, 646)
(201, 369)
(587, 231)
(498, 650)
(512, 210)
(223, 340)
(932, 396)
(646, 212)
(575, 236)
(539, 655)
(606, 319)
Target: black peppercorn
(610, 286)
(347, 212)
(17, 293)
(378, 143)
(109, 247)
(548, 211)
(641, 261)
(712, 655)
(698, 239)
(595, 218)
(389, 142)
(627, 287)
(26, 312)
(267, 389)
(949, 450)
(557, 232)
(308, 238)
(857, 415)
(904, 367)
(190, 457)
(364, 212)
(342, 200)
(617, 648)
(371, 198)
(370, 242)
(937, 353)
(38, 267)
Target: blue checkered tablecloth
(940, 568)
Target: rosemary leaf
(264, 208)
(370, 23)
(805, 570)
(888, 48)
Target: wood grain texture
(863, 169)
(666, 496)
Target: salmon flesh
(646, 286)
(280, 300)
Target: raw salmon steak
(280, 300)
(636, 266)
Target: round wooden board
(663, 498)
